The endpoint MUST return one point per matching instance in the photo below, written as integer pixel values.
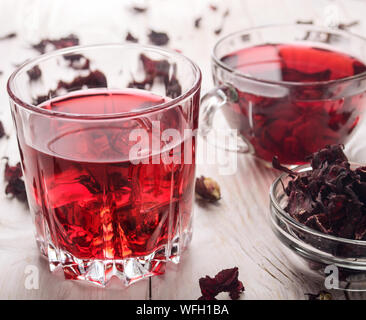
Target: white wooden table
(234, 232)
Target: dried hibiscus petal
(65, 42)
(208, 189)
(172, 87)
(305, 22)
(12, 172)
(158, 70)
(40, 99)
(17, 189)
(158, 38)
(2, 130)
(225, 281)
(15, 186)
(208, 288)
(318, 222)
(8, 36)
(277, 165)
(155, 68)
(131, 38)
(34, 74)
(218, 31)
(197, 22)
(139, 9)
(142, 85)
(77, 61)
(95, 79)
(293, 74)
(330, 198)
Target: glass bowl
(327, 254)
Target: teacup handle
(211, 102)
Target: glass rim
(226, 67)
(284, 215)
(162, 106)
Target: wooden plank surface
(236, 231)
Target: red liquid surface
(97, 202)
(294, 122)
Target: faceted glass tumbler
(101, 208)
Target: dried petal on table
(2, 130)
(8, 36)
(65, 42)
(158, 70)
(225, 281)
(77, 61)
(34, 74)
(139, 9)
(158, 38)
(15, 186)
(197, 22)
(131, 38)
(95, 79)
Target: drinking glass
(106, 136)
(293, 118)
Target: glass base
(129, 271)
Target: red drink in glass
(297, 124)
(286, 90)
(109, 170)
